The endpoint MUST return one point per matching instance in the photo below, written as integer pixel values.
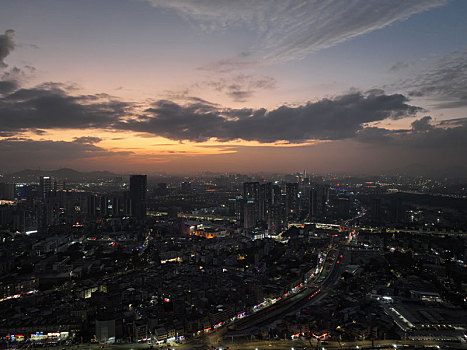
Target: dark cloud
(376, 135)
(421, 125)
(7, 44)
(446, 137)
(328, 119)
(51, 106)
(438, 138)
(87, 140)
(444, 81)
(7, 86)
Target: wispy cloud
(291, 29)
(237, 87)
(241, 87)
(399, 66)
(443, 81)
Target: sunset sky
(180, 86)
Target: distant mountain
(64, 173)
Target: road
(314, 293)
(282, 344)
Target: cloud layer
(54, 106)
(328, 119)
(345, 120)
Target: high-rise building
(275, 219)
(92, 206)
(239, 211)
(319, 197)
(249, 214)
(264, 201)
(138, 188)
(276, 194)
(291, 194)
(251, 200)
(46, 186)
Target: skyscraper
(291, 192)
(275, 219)
(138, 188)
(46, 186)
(264, 201)
(250, 216)
(319, 197)
(251, 203)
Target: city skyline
(183, 87)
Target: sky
(265, 86)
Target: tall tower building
(251, 203)
(249, 216)
(264, 201)
(319, 197)
(291, 193)
(275, 219)
(46, 186)
(138, 188)
(276, 195)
